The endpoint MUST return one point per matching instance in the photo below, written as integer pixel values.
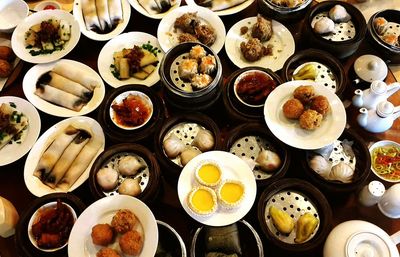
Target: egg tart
(202, 200)
(209, 174)
(231, 193)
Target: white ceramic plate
(18, 37)
(34, 185)
(228, 11)
(127, 40)
(80, 241)
(12, 152)
(29, 87)
(135, 4)
(168, 37)
(126, 12)
(281, 40)
(6, 42)
(232, 168)
(290, 132)
(380, 144)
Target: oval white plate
(290, 132)
(127, 40)
(12, 152)
(228, 11)
(18, 37)
(233, 168)
(6, 42)
(126, 12)
(168, 37)
(135, 4)
(80, 241)
(34, 185)
(281, 40)
(29, 87)
(380, 144)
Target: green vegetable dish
(48, 36)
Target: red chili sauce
(254, 88)
(132, 111)
(49, 7)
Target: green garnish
(13, 105)
(149, 47)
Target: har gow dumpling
(268, 160)
(324, 26)
(188, 154)
(320, 165)
(204, 140)
(339, 14)
(129, 165)
(107, 178)
(173, 146)
(342, 172)
(130, 187)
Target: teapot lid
(370, 67)
(385, 109)
(367, 244)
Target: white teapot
(379, 120)
(371, 97)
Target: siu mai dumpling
(187, 68)
(200, 81)
(197, 52)
(208, 64)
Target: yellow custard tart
(209, 174)
(231, 193)
(202, 200)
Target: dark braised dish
(193, 30)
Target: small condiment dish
(47, 5)
(12, 12)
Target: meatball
(205, 34)
(262, 29)
(6, 53)
(107, 252)
(5, 69)
(102, 234)
(293, 108)
(187, 22)
(310, 120)
(131, 242)
(253, 50)
(320, 104)
(123, 221)
(186, 37)
(304, 94)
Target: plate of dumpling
(155, 9)
(222, 7)
(19, 128)
(259, 41)
(31, 44)
(102, 19)
(191, 24)
(130, 58)
(60, 160)
(64, 88)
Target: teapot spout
(362, 118)
(392, 88)
(357, 99)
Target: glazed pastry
(306, 225)
(380, 25)
(339, 14)
(281, 220)
(324, 26)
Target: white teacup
(389, 204)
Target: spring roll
(115, 11)
(90, 15)
(66, 159)
(12, 122)
(68, 70)
(59, 97)
(80, 164)
(104, 16)
(54, 152)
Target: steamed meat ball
(5, 69)
(253, 50)
(131, 243)
(124, 220)
(262, 29)
(102, 234)
(310, 120)
(320, 104)
(205, 34)
(304, 93)
(293, 108)
(107, 252)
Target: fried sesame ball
(102, 234)
(293, 108)
(320, 104)
(123, 221)
(107, 252)
(304, 94)
(310, 120)
(131, 242)
(5, 68)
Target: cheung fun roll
(90, 14)
(103, 14)
(70, 71)
(115, 11)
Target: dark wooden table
(167, 206)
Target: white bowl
(380, 144)
(12, 12)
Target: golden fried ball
(6, 53)
(131, 242)
(321, 104)
(123, 221)
(293, 108)
(5, 69)
(107, 252)
(310, 120)
(102, 234)
(304, 93)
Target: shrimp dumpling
(130, 187)
(324, 26)
(107, 178)
(129, 165)
(339, 14)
